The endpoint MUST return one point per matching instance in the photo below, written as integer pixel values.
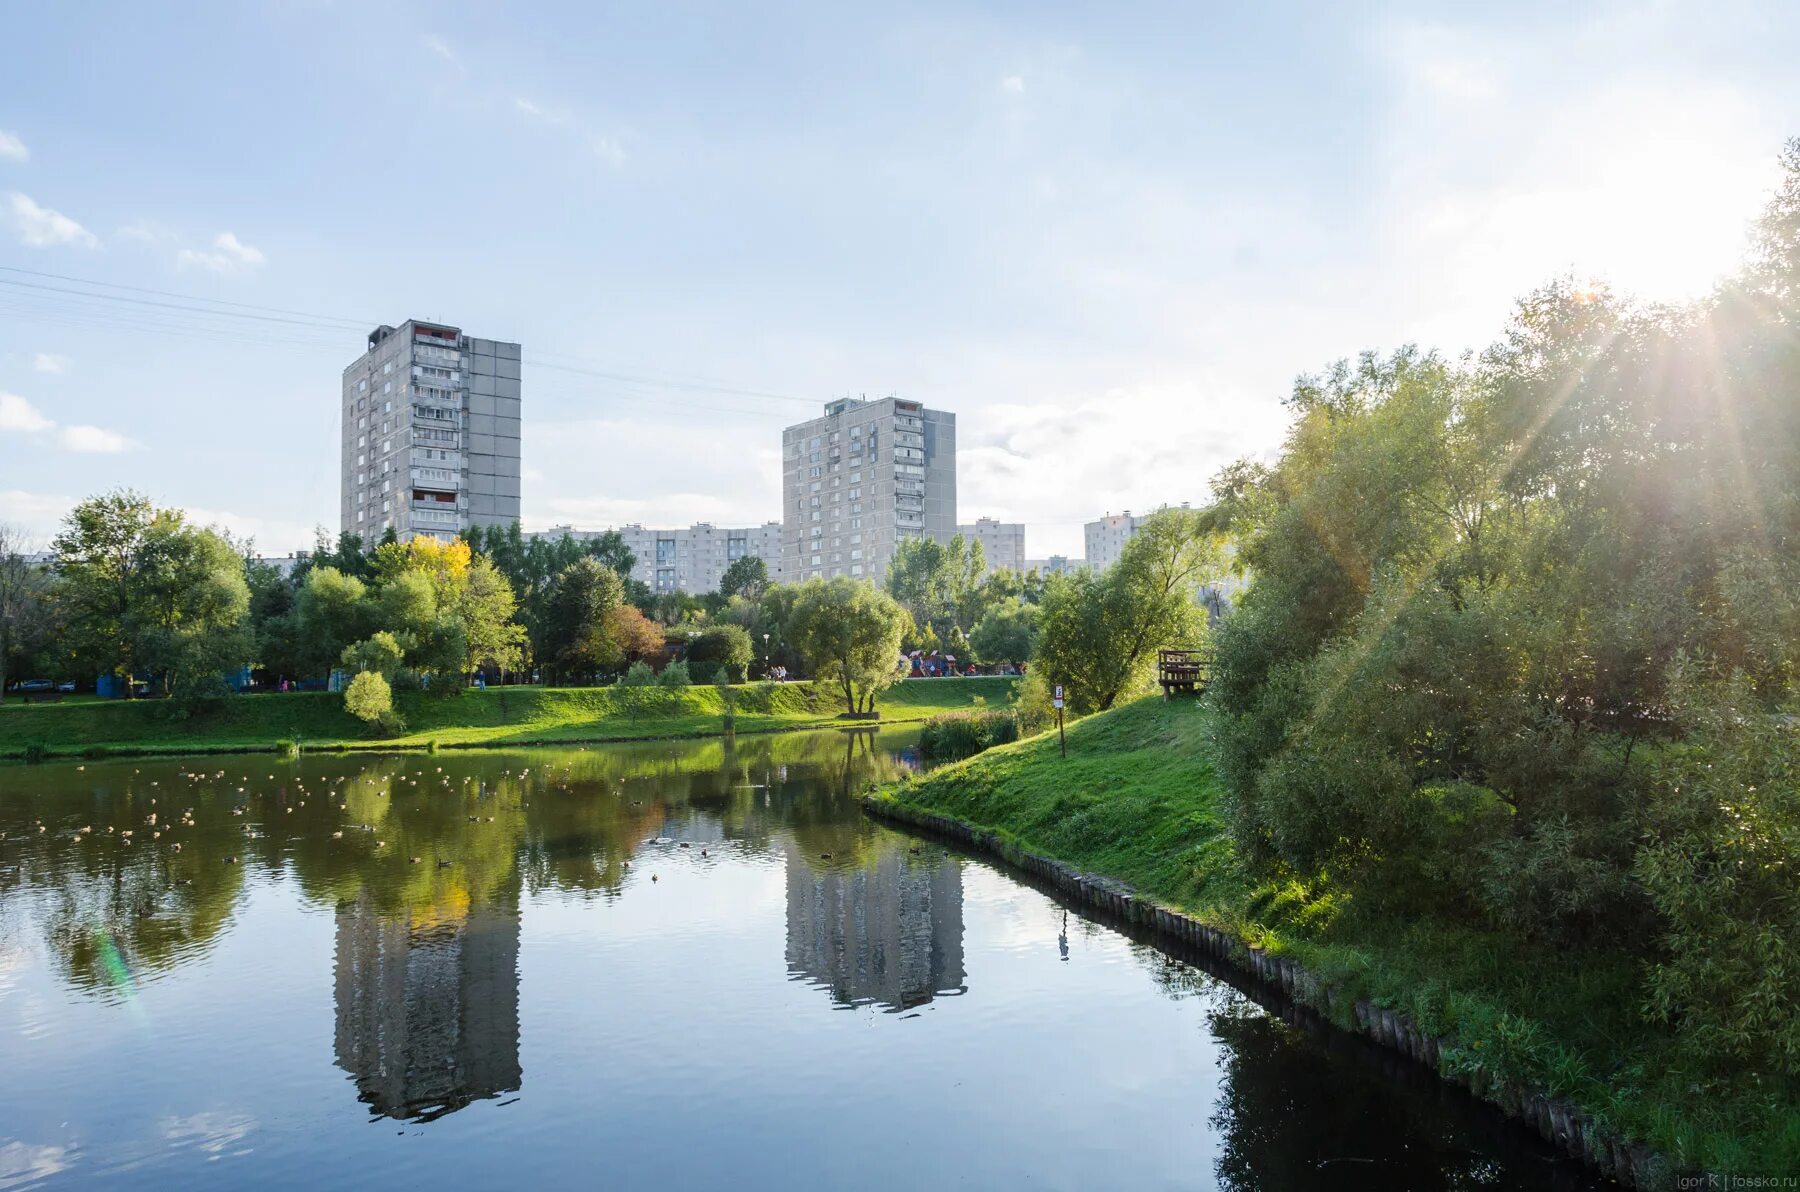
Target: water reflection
(428, 1005)
(280, 953)
(887, 931)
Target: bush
(723, 650)
(1720, 870)
(674, 675)
(369, 699)
(957, 735)
(288, 747)
(640, 674)
(36, 752)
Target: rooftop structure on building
(861, 478)
(430, 441)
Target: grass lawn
(1137, 800)
(496, 716)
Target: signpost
(1061, 737)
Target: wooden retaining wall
(1564, 1125)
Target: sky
(1108, 237)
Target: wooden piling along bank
(1564, 1125)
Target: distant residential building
(430, 441)
(1106, 538)
(1055, 565)
(1003, 543)
(284, 564)
(861, 478)
(693, 559)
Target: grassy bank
(1137, 800)
(496, 716)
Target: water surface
(679, 965)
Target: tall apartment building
(430, 433)
(859, 479)
(1002, 543)
(692, 559)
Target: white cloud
(441, 48)
(40, 227)
(271, 536)
(138, 231)
(228, 255)
(556, 117)
(17, 414)
(12, 148)
(93, 440)
(609, 151)
(36, 515)
(44, 362)
(1013, 85)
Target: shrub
(288, 747)
(957, 735)
(721, 653)
(1719, 869)
(369, 699)
(640, 674)
(36, 752)
(674, 675)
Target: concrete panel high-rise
(430, 433)
(860, 479)
(1002, 543)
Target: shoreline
(1573, 1131)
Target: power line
(68, 302)
(113, 285)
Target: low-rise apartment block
(692, 559)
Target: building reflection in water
(889, 932)
(428, 1006)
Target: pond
(680, 965)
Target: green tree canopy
(849, 632)
(746, 577)
(578, 627)
(1098, 634)
(1007, 632)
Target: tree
(332, 610)
(381, 653)
(20, 596)
(1098, 634)
(97, 555)
(746, 577)
(1007, 632)
(932, 580)
(578, 616)
(146, 593)
(369, 698)
(850, 634)
(190, 616)
(635, 635)
(720, 654)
